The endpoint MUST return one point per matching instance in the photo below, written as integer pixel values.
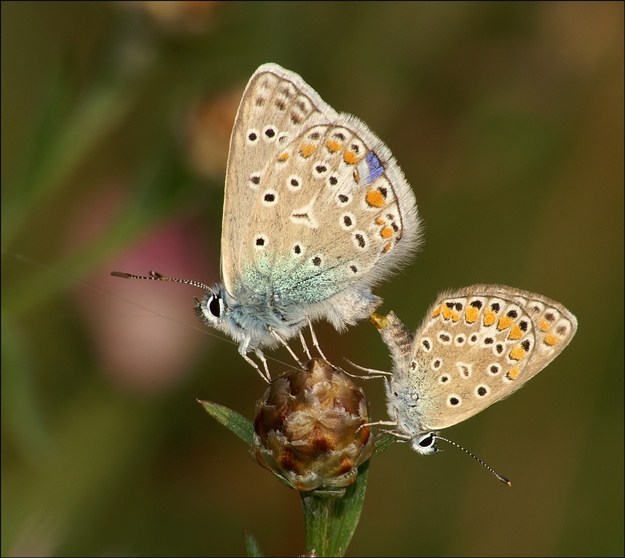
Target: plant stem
(318, 515)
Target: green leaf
(251, 545)
(235, 422)
(383, 442)
(347, 512)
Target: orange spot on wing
(446, 312)
(513, 373)
(543, 324)
(333, 146)
(375, 198)
(307, 149)
(350, 158)
(504, 322)
(380, 221)
(386, 232)
(515, 333)
(471, 314)
(284, 157)
(489, 318)
(551, 340)
(455, 316)
(517, 353)
(387, 247)
(436, 312)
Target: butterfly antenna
(500, 477)
(155, 276)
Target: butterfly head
(403, 404)
(212, 306)
(220, 310)
(215, 310)
(425, 443)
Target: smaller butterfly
(476, 346)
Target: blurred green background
(507, 119)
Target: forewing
(276, 106)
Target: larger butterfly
(316, 212)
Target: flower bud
(307, 428)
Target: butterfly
(316, 212)
(476, 346)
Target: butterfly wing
(333, 214)
(479, 344)
(275, 107)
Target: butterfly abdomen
(396, 336)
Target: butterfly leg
(314, 339)
(398, 435)
(243, 348)
(264, 375)
(379, 423)
(284, 342)
(373, 374)
(393, 423)
(262, 358)
(304, 345)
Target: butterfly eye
(424, 444)
(214, 306)
(427, 441)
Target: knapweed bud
(307, 428)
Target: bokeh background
(507, 119)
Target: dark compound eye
(427, 441)
(214, 306)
